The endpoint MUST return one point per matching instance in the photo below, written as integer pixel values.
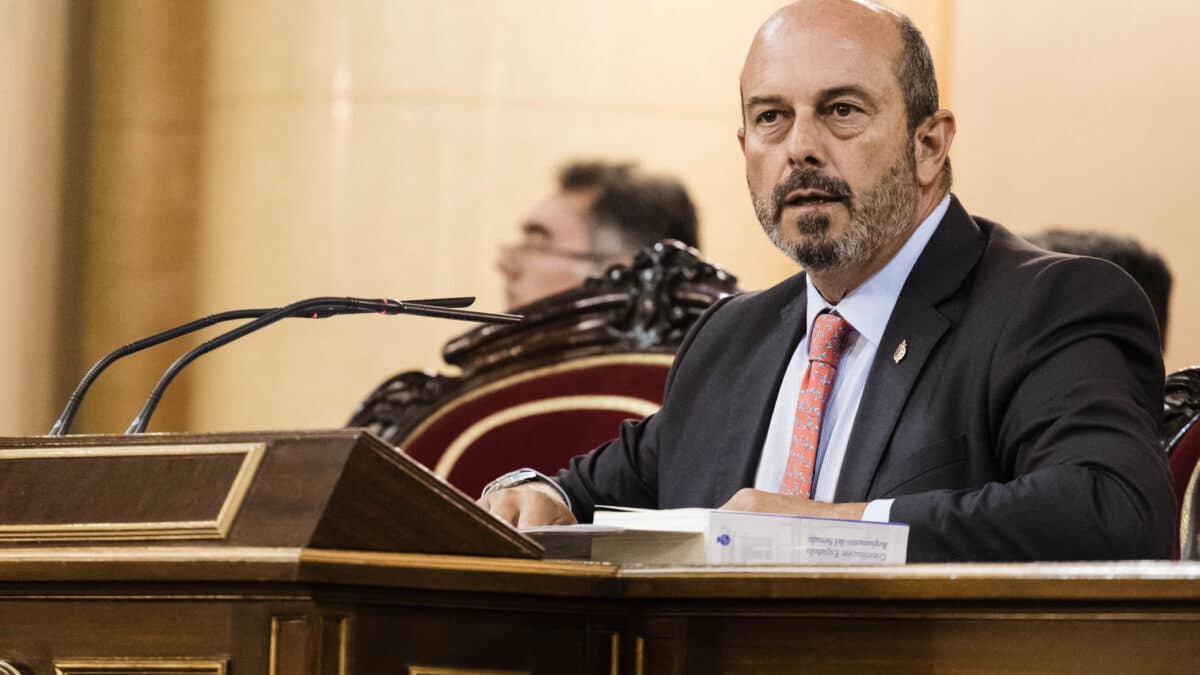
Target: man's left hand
(749, 499)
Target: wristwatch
(513, 479)
(522, 476)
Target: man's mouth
(809, 197)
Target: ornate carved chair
(1181, 433)
(1181, 439)
(1189, 515)
(557, 384)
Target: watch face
(521, 476)
(513, 479)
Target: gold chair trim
(638, 407)
(524, 376)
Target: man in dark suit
(927, 368)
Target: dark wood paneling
(195, 486)
(1023, 642)
(36, 632)
(386, 612)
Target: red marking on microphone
(385, 304)
(314, 315)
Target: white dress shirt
(868, 309)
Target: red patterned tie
(824, 350)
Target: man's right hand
(528, 505)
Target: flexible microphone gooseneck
(351, 305)
(63, 424)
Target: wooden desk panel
(263, 610)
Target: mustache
(810, 178)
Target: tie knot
(828, 337)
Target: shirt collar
(869, 307)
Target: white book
(714, 537)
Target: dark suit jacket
(1021, 425)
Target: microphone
(434, 308)
(65, 419)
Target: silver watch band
(522, 476)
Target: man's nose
(506, 262)
(805, 143)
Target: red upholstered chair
(1181, 440)
(1189, 519)
(1181, 433)
(559, 383)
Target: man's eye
(768, 117)
(842, 109)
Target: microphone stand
(65, 419)
(352, 305)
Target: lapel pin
(900, 352)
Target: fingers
(749, 499)
(539, 508)
(528, 506)
(742, 500)
(502, 506)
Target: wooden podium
(329, 553)
(337, 490)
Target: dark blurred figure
(1145, 266)
(602, 214)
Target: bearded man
(927, 367)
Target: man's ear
(742, 139)
(932, 146)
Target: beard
(879, 215)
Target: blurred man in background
(1145, 266)
(601, 215)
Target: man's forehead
(818, 40)
(832, 14)
(561, 215)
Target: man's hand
(528, 505)
(748, 499)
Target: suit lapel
(770, 356)
(941, 269)
(919, 327)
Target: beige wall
(1082, 114)
(137, 260)
(386, 148)
(33, 58)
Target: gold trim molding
(215, 528)
(444, 670)
(140, 666)
(614, 657)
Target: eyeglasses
(536, 248)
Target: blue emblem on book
(723, 540)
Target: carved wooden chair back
(559, 383)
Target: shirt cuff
(878, 511)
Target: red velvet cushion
(539, 418)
